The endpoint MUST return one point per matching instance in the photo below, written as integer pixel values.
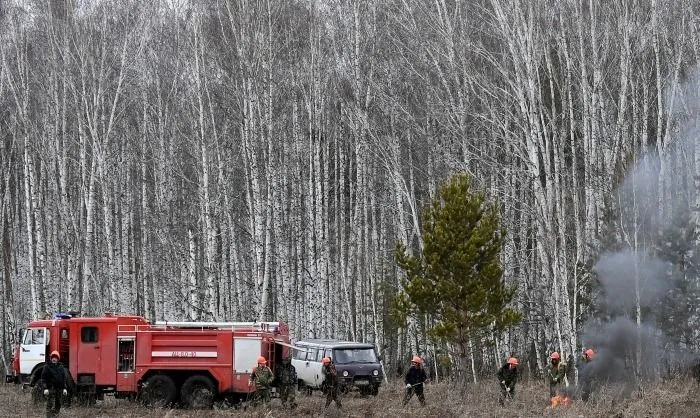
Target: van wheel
(304, 389)
(158, 391)
(198, 392)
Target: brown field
(670, 399)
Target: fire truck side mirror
(20, 335)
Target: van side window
(311, 354)
(88, 334)
(300, 354)
(319, 356)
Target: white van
(357, 364)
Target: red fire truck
(164, 363)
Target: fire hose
(509, 395)
(408, 385)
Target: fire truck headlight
(345, 373)
(376, 372)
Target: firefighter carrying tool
(187, 363)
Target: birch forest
(244, 160)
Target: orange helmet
(262, 360)
(417, 360)
(555, 356)
(590, 353)
(54, 353)
(326, 360)
(513, 361)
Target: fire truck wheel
(198, 392)
(159, 391)
(38, 396)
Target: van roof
(334, 343)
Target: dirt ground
(671, 399)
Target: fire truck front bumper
(11, 378)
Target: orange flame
(560, 400)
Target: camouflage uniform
(286, 377)
(262, 377)
(556, 375)
(507, 377)
(330, 380)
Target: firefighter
(262, 377)
(330, 381)
(508, 376)
(54, 376)
(286, 378)
(414, 380)
(556, 372)
(585, 374)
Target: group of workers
(556, 374)
(285, 376)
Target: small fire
(560, 400)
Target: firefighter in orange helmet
(54, 376)
(330, 382)
(556, 374)
(585, 374)
(508, 376)
(414, 380)
(262, 378)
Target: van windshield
(354, 355)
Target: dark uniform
(54, 376)
(507, 377)
(586, 374)
(330, 380)
(262, 377)
(286, 377)
(414, 380)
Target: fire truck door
(33, 349)
(245, 353)
(97, 353)
(89, 350)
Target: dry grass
(670, 399)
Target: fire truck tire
(158, 392)
(38, 396)
(198, 392)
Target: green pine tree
(457, 280)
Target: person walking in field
(262, 378)
(54, 376)
(330, 381)
(508, 376)
(585, 374)
(286, 378)
(414, 380)
(556, 375)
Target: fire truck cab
(166, 363)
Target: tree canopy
(458, 278)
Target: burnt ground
(669, 399)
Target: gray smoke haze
(617, 344)
(624, 273)
(625, 351)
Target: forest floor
(670, 399)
